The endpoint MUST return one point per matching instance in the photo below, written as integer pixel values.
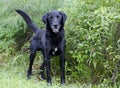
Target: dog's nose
(55, 25)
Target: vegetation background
(92, 50)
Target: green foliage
(92, 35)
(92, 38)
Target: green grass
(15, 77)
(13, 72)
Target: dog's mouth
(55, 30)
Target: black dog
(50, 41)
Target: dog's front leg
(47, 64)
(48, 71)
(62, 67)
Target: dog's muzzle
(55, 30)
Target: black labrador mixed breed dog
(50, 42)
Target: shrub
(92, 29)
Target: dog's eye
(51, 17)
(57, 16)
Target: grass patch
(13, 75)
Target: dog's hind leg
(46, 63)
(32, 56)
(42, 67)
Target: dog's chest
(55, 51)
(55, 43)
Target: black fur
(50, 41)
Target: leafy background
(92, 32)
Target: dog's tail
(27, 20)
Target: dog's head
(54, 20)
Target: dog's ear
(44, 18)
(64, 16)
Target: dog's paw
(28, 77)
(49, 84)
(63, 83)
(42, 75)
